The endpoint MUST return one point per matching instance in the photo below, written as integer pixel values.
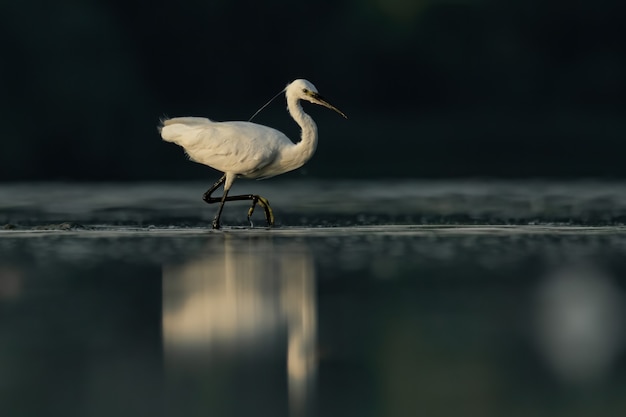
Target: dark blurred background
(433, 88)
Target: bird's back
(241, 148)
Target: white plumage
(245, 149)
(242, 148)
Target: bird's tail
(162, 122)
(173, 130)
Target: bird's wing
(237, 147)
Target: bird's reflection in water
(238, 297)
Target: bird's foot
(216, 224)
(263, 202)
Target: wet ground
(368, 299)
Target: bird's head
(301, 89)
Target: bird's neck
(303, 150)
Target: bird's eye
(305, 91)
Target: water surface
(136, 308)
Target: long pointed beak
(317, 99)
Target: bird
(249, 150)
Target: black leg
(216, 220)
(210, 200)
(256, 199)
(207, 196)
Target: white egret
(248, 150)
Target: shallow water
(321, 203)
(142, 310)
